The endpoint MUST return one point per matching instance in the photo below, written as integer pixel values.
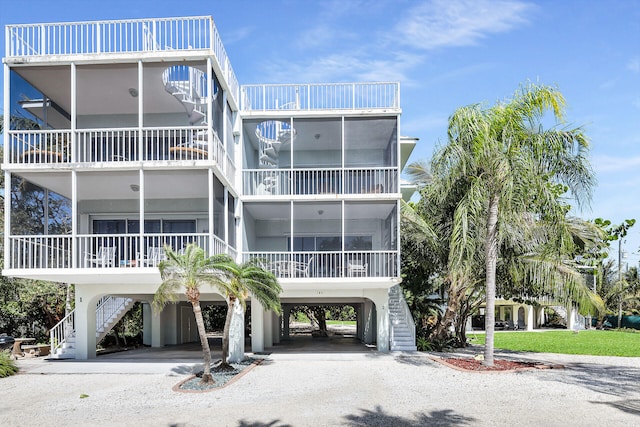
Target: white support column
(211, 197)
(286, 317)
(572, 315)
(7, 176)
(276, 327)
(85, 322)
(359, 321)
(156, 329)
(530, 317)
(147, 315)
(257, 327)
(380, 298)
(268, 328)
(75, 255)
(515, 316)
(369, 321)
(236, 334)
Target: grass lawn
(593, 342)
(342, 322)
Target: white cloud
(615, 164)
(237, 35)
(445, 23)
(634, 65)
(424, 124)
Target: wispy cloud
(237, 35)
(422, 124)
(634, 65)
(615, 164)
(443, 23)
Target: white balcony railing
(328, 264)
(105, 250)
(322, 96)
(120, 36)
(34, 147)
(284, 182)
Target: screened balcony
(315, 156)
(316, 240)
(177, 212)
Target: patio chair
(104, 258)
(154, 256)
(301, 269)
(355, 267)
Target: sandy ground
(327, 389)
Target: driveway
(327, 389)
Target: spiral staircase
(272, 136)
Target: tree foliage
(495, 199)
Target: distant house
(145, 138)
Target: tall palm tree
(190, 270)
(513, 169)
(241, 281)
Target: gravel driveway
(330, 389)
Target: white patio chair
(355, 267)
(154, 256)
(300, 269)
(104, 258)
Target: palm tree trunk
(206, 352)
(491, 259)
(226, 332)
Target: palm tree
(513, 169)
(190, 270)
(241, 281)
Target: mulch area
(499, 365)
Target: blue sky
(445, 53)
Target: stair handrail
(404, 308)
(107, 307)
(62, 330)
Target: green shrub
(7, 366)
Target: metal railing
(104, 250)
(396, 296)
(283, 182)
(40, 252)
(120, 36)
(323, 264)
(108, 307)
(321, 96)
(35, 147)
(65, 328)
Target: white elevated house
(125, 136)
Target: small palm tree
(190, 270)
(241, 281)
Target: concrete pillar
(156, 329)
(530, 317)
(147, 315)
(236, 334)
(359, 321)
(515, 315)
(85, 322)
(380, 298)
(257, 327)
(286, 317)
(277, 327)
(572, 314)
(268, 328)
(369, 321)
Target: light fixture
(133, 92)
(135, 188)
(316, 136)
(320, 212)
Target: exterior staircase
(109, 311)
(403, 328)
(272, 135)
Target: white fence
(322, 96)
(120, 36)
(281, 182)
(32, 147)
(105, 250)
(321, 264)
